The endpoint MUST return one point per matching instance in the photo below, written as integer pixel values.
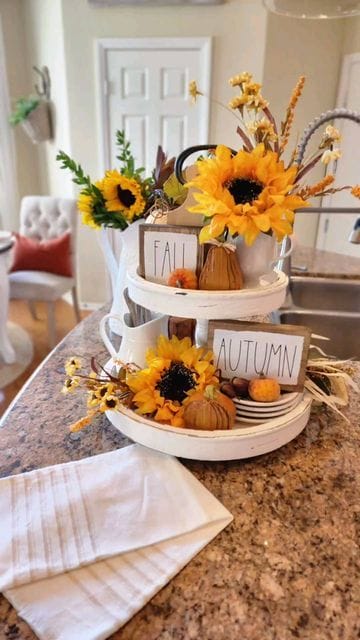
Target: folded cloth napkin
(84, 545)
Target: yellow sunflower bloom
(175, 368)
(85, 205)
(109, 403)
(245, 194)
(123, 194)
(72, 365)
(70, 384)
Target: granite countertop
(325, 264)
(286, 567)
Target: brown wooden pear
(221, 271)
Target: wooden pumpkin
(221, 271)
(264, 389)
(209, 410)
(183, 279)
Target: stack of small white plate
(252, 412)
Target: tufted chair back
(44, 218)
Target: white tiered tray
(243, 442)
(208, 305)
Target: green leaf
(174, 190)
(23, 107)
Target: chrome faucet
(354, 236)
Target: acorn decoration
(264, 389)
(183, 279)
(209, 410)
(238, 387)
(221, 271)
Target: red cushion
(53, 256)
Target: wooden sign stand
(245, 350)
(164, 253)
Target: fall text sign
(245, 350)
(164, 248)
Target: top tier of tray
(209, 305)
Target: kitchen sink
(331, 308)
(332, 294)
(343, 329)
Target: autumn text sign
(246, 350)
(164, 248)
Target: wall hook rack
(44, 90)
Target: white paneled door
(144, 90)
(334, 229)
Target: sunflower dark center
(244, 190)
(125, 196)
(175, 382)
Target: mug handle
(282, 255)
(104, 335)
(290, 249)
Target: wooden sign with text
(245, 350)
(164, 248)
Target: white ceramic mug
(135, 340)
(260, 258)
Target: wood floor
(37, 330)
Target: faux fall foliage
(122, 195)
(181, 387)
(254, 190)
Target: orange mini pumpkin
(209, 409)
(183, 279)
(264, 389)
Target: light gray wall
(62, 35)
(312, 48)
(20, 84)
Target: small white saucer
(285, 399)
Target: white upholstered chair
(44, 218)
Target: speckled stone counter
(325, 264)
(288, 566)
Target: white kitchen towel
(84, 545)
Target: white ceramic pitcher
(260, 258)
(127, 249)
(135, 340)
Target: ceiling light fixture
(315, 9)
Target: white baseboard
(91, 306)
(85, 306)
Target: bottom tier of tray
(242, 442)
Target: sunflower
(86, 205)
(123, 194)
(175, 369)
(245, 194)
